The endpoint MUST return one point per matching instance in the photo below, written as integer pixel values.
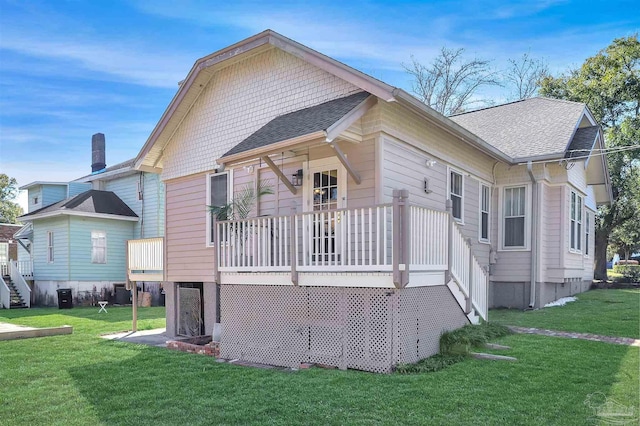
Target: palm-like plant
(242, 202)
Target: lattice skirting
(365, 329)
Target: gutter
(534, 231)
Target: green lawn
(82, 379)
(606, 312)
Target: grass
(81, 379)
(605, 312)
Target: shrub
(455, 346)
(630, 272)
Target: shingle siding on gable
(242, 98)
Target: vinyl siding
(551, 229)
(150, 209)
(117, 232)
(34, 192)
(188, 257)
(404, 167)
(76, 188)
(59, 269)
(53, 193)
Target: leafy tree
(609, 83)
(9, 210)
(524, 76)
(449, 84)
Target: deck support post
(133, 286)
(216, 244)
(293, 247)
(469, 301)
(401, 241)
(449, 207)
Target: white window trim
(462, 174)
(587, 234)
(208, 242)
(579, 220)
(105, 247)
(50, 247)
(527, 217)
(487, 240)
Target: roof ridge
(488, 107)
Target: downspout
(534, 231)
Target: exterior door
(324, 193)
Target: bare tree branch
(524, 76)
(450, 83)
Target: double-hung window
(514, 214)
(455, 194)
(576, 222)
(586, 233)
(98, 247)
(218, 191)
(485, 209)
(50, 247)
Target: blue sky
(69, 69)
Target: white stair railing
(5, 294)
(21, 285)
(4, 269)
(145, 259)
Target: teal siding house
(76, 232)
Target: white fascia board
(40, 182)
(81, 214)
(106, 175)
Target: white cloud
(114, 61)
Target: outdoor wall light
(430, 162)
(296, 178)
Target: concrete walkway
(582, 336)
(13, 331)
(156, 337)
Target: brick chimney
(97, 153)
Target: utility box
(65, 301)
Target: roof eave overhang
(39, 182)
(449, 125)
(270, 149)
(80, 214)
(268, 37)
(106, 175)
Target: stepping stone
(492, 357)
(497, 347)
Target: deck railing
(395, 237)
(145, 259)
(24, 266)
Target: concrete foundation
(516, 295)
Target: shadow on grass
(114, 313)
(548, 385)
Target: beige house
(388, 223)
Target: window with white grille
(456, 188)
(98, 247)
(514, 214)
(50, 241)
(576, 222)
(485, 210)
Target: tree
(450, 83)
(609, 83)
(9, 210)
(524, 76)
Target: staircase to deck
(15, 299)
(15, 293)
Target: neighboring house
(8, 245)
(76, 231)
(385, 214)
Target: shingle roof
(299, 123)
(92, 201)
(526, 128)
(582, 142)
